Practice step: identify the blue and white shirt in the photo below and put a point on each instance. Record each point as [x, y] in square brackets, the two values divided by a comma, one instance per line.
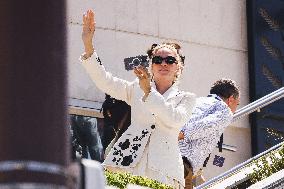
[210, 117]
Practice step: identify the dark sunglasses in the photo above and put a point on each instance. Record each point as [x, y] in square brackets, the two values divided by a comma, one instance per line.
[159, 60]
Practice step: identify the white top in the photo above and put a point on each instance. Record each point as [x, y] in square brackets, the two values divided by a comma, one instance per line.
[155, 123]
[209, 119]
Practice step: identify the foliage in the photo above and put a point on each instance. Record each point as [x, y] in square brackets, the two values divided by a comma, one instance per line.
[267, 165]
[120, 180]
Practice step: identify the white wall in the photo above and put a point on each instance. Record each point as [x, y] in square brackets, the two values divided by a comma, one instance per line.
[212, 34]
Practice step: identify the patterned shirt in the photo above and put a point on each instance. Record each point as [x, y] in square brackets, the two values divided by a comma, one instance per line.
[210, 117]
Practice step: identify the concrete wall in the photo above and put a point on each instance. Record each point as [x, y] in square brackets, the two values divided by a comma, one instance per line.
[212, 34]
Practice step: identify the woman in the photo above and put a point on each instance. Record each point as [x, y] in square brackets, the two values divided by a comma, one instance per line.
[149, 147]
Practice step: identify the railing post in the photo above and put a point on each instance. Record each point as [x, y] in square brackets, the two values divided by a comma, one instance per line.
[34, 150]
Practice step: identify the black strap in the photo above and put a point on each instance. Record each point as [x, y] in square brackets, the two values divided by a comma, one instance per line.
[206, 161]
[220, 143]
[121, 123]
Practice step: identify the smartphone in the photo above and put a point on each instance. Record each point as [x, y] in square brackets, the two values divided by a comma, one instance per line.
[131, 62]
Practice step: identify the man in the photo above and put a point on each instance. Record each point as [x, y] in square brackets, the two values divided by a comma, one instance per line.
[85, 132]
[211, 115]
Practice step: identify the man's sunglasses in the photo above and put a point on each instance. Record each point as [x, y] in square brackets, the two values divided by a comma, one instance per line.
[159, 60]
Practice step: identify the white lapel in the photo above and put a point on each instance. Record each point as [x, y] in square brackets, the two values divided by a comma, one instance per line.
[170, 93]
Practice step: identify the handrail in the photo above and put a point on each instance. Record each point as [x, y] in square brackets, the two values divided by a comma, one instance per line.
[260, 103]
[250, 108]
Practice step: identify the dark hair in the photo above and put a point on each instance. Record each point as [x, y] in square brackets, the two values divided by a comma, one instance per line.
[150, 51]
[175, 45]
[117, 108]
[225, 88]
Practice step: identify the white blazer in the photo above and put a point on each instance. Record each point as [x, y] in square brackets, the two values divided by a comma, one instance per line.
[156, 122]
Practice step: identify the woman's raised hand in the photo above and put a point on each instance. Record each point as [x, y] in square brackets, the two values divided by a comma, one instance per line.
[89, 26]
[144, 79]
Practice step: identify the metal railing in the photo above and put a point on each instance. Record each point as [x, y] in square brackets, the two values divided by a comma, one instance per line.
[250, 108]
[260, 103]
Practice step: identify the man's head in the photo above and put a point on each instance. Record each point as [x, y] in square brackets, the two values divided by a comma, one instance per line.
[228, 90]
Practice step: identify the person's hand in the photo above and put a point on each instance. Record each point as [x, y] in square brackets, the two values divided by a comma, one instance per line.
[144, 79]
[89, 26]
[180, 136]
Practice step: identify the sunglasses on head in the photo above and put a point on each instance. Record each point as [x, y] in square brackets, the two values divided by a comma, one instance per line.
[159, 60]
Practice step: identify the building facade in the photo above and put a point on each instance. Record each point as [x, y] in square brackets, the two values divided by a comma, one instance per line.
[213, 36]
